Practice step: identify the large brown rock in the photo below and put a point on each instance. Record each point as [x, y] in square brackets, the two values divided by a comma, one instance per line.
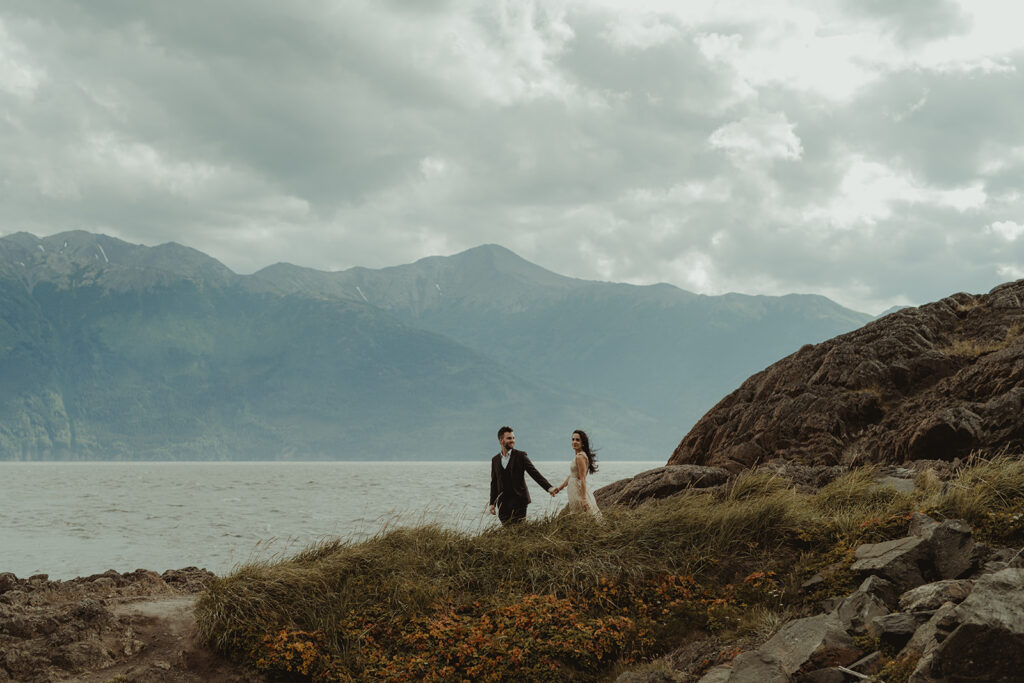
[659, 483]
[932, 382]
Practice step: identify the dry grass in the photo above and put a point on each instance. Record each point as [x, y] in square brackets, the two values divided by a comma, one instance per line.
[757, 523]
[972, 348]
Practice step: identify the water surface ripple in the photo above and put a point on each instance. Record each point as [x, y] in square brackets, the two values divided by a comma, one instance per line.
[74, 519]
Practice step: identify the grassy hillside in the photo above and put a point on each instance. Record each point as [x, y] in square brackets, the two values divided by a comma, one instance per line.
[567, 599]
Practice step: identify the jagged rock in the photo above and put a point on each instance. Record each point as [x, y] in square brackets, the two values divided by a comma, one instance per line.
[896, 630]
[921, 525]
[952, 549]
[90, 610]
[660, 482]
[898, 560]
[718, 674]
[927, 636]
[8, 581]
[749, 667]
[806, 478]
[189, 578]
[930, 596]
[990, 634]
[857, 610]
[18, 626]
[812, 643]
[935, 382]
[886, 591]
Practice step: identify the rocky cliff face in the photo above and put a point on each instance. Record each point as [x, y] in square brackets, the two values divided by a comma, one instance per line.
[937, 382]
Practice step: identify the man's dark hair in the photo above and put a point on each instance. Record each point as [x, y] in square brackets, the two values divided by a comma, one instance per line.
[504, 430]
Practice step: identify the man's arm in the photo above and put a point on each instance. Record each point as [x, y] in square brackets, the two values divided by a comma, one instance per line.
[537, 476]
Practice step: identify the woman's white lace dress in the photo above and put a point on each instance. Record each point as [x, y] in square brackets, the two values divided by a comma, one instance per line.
[575, 496]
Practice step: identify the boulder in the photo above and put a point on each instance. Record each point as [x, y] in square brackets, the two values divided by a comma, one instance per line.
[935, 382]
[928, 636]
[898, 560]
[896, 629]
[748, 667]
[718, 674]
[921, 525]
[886, 591]
[8, 581]
[989, 637]
[660, 482]
[857, 610]
[952, 549]
[812, 643]
[930, 596]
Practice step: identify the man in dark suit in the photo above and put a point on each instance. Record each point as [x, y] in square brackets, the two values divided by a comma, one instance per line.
[509, 495]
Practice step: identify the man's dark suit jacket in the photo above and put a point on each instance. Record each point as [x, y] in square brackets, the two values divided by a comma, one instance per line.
[518, 464]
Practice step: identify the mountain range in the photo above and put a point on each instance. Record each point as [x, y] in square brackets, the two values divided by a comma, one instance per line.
[121, 351]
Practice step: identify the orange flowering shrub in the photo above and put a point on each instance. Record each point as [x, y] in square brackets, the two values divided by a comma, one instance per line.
[537, 638]
[297, 652]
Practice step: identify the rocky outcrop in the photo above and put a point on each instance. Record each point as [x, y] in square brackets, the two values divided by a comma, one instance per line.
[111, 626]
[935, 382]
[988, 635]
[660, 482]
[948, 630]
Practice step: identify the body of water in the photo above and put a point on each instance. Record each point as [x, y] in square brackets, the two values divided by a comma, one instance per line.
[70, 519]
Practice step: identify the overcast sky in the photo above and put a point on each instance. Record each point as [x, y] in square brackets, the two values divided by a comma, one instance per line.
[868, 150]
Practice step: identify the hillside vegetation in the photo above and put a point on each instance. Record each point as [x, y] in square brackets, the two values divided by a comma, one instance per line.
[564, 598]
[110, 350]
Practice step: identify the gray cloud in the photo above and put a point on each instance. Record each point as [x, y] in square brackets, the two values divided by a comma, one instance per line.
[709, 151]
[915, 21]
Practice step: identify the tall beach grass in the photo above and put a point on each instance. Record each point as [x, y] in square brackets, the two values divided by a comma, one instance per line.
[406, 601]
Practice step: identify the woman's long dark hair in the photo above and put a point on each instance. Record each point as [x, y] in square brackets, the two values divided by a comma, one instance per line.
[591, 456]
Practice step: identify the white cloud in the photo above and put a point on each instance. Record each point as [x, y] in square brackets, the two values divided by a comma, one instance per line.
[640, 32]
[758, 137]
[1008, 230]
[1010, 271]
[702, 143]
[870, 189]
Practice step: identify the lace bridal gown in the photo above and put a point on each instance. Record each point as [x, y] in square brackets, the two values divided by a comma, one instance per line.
[575, 496]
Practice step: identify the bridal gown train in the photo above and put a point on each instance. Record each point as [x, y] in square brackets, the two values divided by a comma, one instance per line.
[575, 497]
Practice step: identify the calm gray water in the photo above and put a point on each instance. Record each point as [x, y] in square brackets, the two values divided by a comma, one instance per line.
[75, 519]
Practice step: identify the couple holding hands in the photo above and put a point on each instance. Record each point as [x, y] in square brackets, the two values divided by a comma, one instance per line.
[509, 496]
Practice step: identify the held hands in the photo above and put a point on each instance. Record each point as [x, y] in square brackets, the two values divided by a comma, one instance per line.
[490, 508]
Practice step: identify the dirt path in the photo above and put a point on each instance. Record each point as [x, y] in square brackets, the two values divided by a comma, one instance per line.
[108, 628]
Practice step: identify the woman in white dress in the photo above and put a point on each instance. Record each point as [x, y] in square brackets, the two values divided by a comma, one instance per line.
[581, 498]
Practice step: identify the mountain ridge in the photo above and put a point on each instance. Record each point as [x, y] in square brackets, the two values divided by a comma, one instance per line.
[169, 327]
